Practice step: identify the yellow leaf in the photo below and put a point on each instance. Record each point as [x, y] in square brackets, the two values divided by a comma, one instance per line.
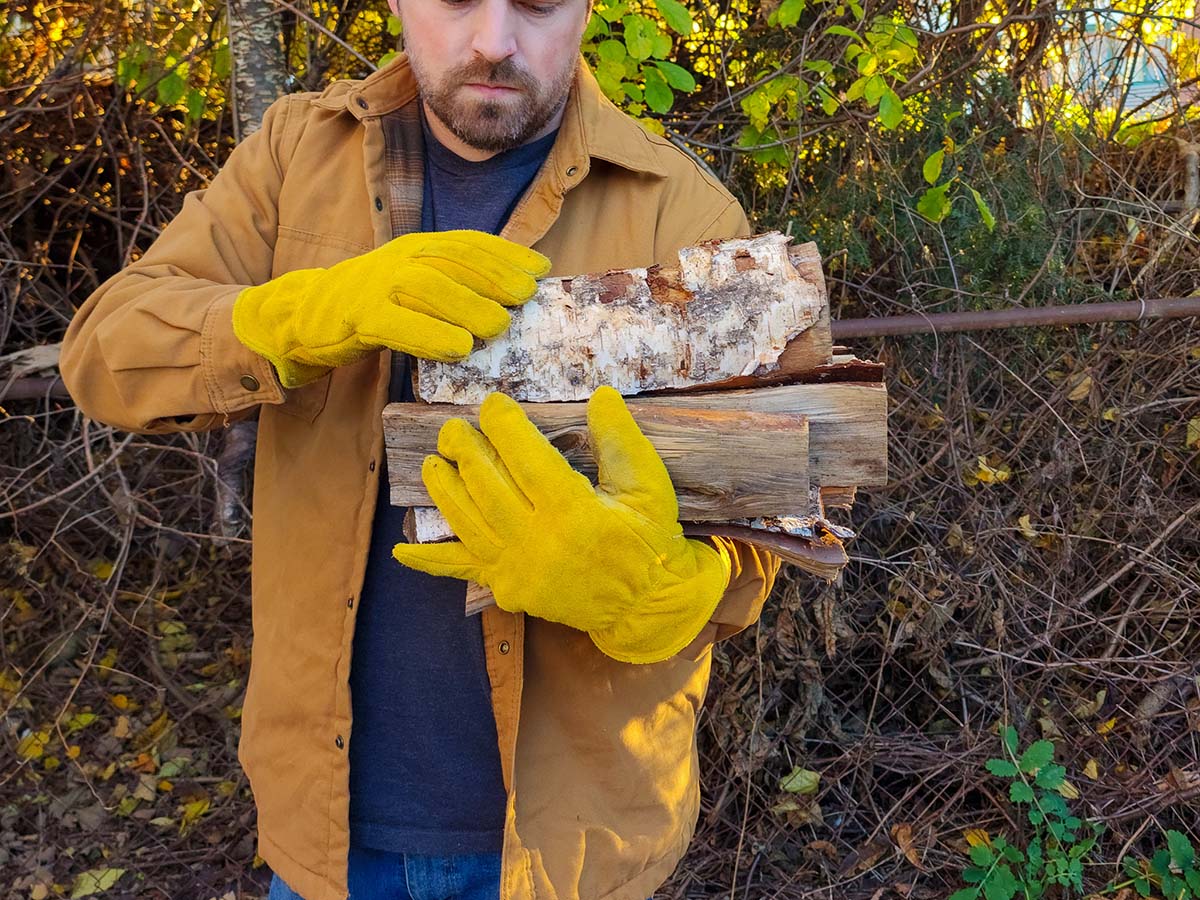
[73, 751]
[984, 473]
[902, 835]
[1068, 790]
[1091, 707]
[50, 763]
[1106, 727]
[120, 701]
[39, 891]
[33, 745]
[652, 125]
[101, 568]
[121, 729]
[165, 785]
[1080, 386]
[801, 781]
[226, 788]
[977, 837]
[1091, 769]
[94, 881]
[257, 862]
[1026, 527]
[1111, 414]
[9, 684]
[191, 812]
[1193, 434]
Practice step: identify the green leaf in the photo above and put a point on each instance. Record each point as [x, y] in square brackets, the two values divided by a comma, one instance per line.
[965, 894]
[658, 96]
[171, 89]
[982, 855]
[1009, 735]
[1049, 777]
[974, 875]
[1019, 791]
[611, 51]
[612, 12]
[1036, 755]
[1193, 880]
[1003, 885]
[1036, 816]
[595, 26]
[935, 206]
[823, 66]
[874, 89]
[387, 58]
[1160, 863]
[843, 31]
[789, 12]
[801, 781]
[891, 109]
[855, 90]
[660, 44]
[677, 76]
[394, 26]
[195, 104]
[829, 102]
[676, 15]
[985, 211]
[1001, 768]
[932, 170]
[1180, 849]
[94, 881]
[758, 107]
[639, 33]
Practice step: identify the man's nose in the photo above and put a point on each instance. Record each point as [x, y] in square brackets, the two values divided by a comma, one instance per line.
[495, 30]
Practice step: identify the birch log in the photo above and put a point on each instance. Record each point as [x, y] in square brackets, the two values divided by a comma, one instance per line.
[730, 310]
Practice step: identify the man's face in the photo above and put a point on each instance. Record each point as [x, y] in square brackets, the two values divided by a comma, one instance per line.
[495, 72]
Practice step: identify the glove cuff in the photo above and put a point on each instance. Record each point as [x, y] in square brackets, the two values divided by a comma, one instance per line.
[247, 328]
[670, 620]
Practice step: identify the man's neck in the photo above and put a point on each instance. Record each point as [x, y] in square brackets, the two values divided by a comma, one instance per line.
[455, 144]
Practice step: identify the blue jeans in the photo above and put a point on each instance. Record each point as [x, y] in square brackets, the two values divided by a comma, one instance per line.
[380, 875]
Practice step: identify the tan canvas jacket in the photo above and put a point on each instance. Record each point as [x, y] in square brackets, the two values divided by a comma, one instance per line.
[599, 757]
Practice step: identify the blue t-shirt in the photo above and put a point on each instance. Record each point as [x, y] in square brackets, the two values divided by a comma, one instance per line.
[425, 771]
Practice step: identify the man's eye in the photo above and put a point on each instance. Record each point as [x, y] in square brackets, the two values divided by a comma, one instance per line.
[540, 9]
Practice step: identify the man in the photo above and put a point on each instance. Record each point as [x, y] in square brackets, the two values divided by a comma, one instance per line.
[547, 747]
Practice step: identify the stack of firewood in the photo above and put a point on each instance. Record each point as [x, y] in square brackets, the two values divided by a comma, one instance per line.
[764, 425]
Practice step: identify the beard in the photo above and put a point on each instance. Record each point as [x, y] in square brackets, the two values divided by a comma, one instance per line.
[492, 125]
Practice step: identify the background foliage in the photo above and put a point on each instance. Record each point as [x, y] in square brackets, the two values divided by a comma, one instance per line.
[1027, 580]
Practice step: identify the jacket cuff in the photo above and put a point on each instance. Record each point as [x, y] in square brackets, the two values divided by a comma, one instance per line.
[236, 377]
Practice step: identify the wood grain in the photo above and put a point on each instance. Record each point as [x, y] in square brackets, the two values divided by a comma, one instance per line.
[724, 464]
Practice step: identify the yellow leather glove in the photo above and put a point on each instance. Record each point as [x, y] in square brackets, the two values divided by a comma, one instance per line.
[426, 294]
[610, 560]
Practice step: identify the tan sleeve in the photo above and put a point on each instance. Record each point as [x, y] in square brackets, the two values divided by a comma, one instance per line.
[152, 350]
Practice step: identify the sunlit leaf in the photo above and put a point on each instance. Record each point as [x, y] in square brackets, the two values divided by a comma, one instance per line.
[676, 16]
[94, 881]
[932, 170]
[934, 205]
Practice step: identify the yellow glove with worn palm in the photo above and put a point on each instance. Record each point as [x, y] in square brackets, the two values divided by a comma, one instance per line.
[610, 560]
[427, 294]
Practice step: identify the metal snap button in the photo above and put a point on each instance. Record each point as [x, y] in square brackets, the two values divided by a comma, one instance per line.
[249, 382]
[379, 204]
[504, 646]
[339, 742]
[572, 170]
[362, 102]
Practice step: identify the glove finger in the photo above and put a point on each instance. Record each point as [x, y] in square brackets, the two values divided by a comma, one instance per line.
[445, 486]
[630, 469]
[446, 299]
[490, 276]
[448, 559]
[537, 467]
[467, 244]
[389, 325]
[487, 479]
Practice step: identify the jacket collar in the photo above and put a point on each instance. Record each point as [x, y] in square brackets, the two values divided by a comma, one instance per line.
[592, 127]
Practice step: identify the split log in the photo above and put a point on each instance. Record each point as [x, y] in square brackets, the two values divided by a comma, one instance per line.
[734, 312]
[846, 444]
[724, 464]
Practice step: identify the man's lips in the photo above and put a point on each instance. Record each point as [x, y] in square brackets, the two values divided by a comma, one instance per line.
[492, 89]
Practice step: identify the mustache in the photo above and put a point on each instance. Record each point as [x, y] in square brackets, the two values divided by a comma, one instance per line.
[504, 73]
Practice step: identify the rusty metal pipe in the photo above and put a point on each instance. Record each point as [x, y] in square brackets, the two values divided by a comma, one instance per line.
[1022, 317]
